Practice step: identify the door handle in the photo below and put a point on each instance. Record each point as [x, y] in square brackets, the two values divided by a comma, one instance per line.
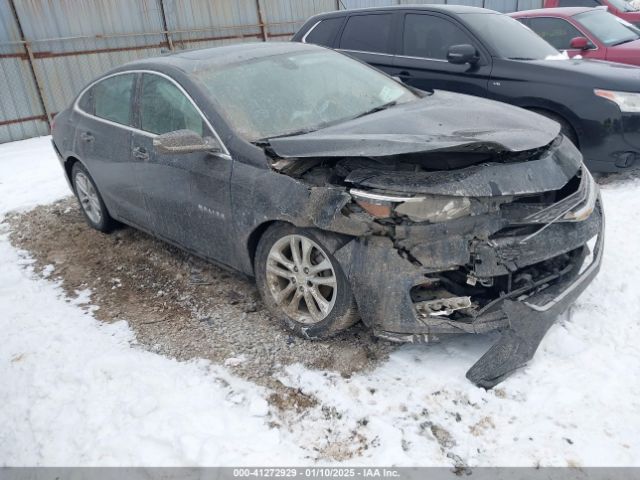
[404, 74]
[141, 153]
[86, 136]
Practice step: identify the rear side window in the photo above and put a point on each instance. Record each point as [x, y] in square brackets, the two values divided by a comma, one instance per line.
[367, 33]
[556, 31]
[428, 36]
[164, 108]
[324, 32]
[112, 98]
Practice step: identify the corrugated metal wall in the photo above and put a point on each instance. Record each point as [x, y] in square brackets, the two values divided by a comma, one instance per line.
[50, 49]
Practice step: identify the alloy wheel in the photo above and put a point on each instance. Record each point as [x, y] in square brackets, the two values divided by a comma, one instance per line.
[88, 197]
[301, 279]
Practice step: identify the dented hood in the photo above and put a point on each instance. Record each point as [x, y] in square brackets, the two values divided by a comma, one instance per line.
[442, 121]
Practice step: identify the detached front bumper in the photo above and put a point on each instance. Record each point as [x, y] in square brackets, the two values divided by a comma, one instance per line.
[382, 278]
[529, 320]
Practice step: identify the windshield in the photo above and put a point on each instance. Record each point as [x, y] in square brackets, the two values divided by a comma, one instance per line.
[606, 27]
[509, 38]
[298, 92]
[623, 5]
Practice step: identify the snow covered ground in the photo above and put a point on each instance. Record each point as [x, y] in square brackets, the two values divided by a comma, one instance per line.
[74, 391]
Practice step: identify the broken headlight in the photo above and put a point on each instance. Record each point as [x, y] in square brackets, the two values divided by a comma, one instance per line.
[423, 208]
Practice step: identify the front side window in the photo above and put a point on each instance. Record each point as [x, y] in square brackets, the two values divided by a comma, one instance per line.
[324, 33]
[556, 31]
[164, 108]
[608, 28]
[111, 98]
[297, 92]
[507, 37]
[367, 33]
[428, 36]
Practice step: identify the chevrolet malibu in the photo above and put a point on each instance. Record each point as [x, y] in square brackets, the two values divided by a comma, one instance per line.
[346, 194]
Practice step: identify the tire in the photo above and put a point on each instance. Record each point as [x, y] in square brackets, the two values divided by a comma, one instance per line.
[91, 204]
[278, 272]
[565, 127]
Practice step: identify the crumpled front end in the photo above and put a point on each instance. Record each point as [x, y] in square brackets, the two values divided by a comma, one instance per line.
[461, 241]
[465, 264]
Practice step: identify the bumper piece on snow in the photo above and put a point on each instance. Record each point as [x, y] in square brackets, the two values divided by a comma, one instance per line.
[529, 321]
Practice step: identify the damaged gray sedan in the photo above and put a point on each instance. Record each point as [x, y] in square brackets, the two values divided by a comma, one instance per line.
[345, 193]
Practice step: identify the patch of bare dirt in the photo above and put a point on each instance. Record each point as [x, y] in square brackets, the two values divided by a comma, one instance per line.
[179, 305]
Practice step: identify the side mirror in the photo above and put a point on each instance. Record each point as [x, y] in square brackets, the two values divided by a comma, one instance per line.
[580, 43]
[184, 141]
[461, 54]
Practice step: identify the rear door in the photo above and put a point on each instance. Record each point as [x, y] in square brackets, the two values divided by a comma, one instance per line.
[422, 59]
[370, 37]
[103, 142]
[187, 195]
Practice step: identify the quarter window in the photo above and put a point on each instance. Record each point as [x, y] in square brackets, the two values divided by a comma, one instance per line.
[367, 33]
[164, 108]
[556, 31]
[111, 98]
[428, 36]
[324, 33]
[86, 102]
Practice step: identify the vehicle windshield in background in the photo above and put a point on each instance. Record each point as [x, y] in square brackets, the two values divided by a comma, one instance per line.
[607, 28]
[623, 5]
[298, 92]
[509, 38]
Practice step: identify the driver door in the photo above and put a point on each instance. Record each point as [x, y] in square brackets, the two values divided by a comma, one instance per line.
[422, 62]
[559, 33]
[187, 195]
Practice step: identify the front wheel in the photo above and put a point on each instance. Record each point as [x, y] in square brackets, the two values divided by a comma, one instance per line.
[302, 283]
[565, 127]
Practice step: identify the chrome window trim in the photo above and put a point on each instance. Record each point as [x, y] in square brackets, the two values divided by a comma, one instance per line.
[364, 51]
[76, 107]
[423, 58]
[304, 38]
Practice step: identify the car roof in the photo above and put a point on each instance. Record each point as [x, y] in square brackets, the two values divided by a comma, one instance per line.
[552, 12]
[431, 8]
[202, 58]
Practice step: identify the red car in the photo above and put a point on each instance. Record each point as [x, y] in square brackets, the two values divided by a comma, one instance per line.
[619, 8]
[591, 32]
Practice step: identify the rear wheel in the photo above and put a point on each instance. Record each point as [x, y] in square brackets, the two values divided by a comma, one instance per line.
[302, 284]
[93, 208]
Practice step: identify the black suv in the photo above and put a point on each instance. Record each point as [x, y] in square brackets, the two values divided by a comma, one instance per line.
[488, 54]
